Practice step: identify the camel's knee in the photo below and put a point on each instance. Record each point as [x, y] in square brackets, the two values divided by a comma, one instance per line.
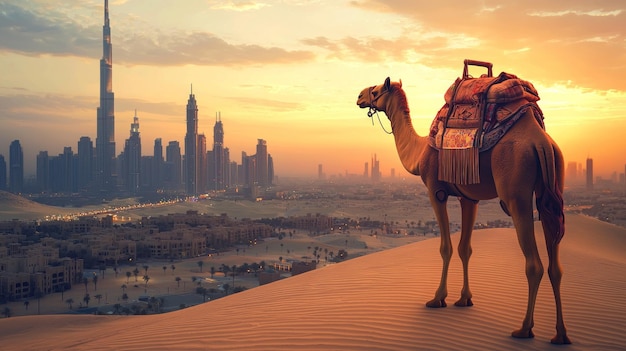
[465, 252]
[446, 252]
[555, 273]
[534, 269]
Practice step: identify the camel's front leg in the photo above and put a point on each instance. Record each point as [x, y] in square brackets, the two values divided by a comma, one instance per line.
[468, 217]
[441, 213]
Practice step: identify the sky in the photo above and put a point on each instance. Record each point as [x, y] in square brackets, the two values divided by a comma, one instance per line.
[289, 72]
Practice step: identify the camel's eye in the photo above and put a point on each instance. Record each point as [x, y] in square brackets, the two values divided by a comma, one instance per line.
[374, 93]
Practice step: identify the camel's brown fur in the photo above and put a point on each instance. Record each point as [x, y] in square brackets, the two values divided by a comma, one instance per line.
[525, 161]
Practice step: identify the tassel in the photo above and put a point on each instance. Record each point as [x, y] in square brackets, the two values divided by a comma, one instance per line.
[459, 166]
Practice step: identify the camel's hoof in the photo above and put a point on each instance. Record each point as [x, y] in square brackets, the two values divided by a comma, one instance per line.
[464, 303]
[436, 303]
[560, 339]
[523, 334]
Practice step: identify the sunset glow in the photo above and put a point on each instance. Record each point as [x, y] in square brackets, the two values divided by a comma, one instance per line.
[290, 71]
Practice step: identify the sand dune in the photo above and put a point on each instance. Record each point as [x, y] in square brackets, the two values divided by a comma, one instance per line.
[376, 302]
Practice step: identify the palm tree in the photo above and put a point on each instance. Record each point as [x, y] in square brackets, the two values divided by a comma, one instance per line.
[145, 267]
[26, 303]
[164, 269]
[98, 297]
[173, 268]
[69, 302]
[85, 281]
[212, 272]
[124, 288]
[125, 297]
[146, 278]
[226, 287]
[128, 274]
[136, 273]
[95, 282]
[234, 273]
[178, 281]
[200, 264]
[87, 299]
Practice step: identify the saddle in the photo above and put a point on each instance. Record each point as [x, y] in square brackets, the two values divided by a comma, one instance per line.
[476, 114]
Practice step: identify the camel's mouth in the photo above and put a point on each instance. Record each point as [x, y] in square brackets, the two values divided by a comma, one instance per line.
[363, 104]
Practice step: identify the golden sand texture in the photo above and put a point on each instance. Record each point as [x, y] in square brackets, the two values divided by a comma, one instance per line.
[376, 302]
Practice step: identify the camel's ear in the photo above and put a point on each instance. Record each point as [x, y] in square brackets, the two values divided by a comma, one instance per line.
[400, 83]
[387, 83]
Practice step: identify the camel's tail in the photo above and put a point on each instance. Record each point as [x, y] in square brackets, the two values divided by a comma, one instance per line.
[550, 196]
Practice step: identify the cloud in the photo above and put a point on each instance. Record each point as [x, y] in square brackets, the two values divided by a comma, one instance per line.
[561, 40]
[236, 5]
[36, 33]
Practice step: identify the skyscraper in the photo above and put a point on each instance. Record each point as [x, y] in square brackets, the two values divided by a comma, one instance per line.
[16, 167]
[201, 164]
[589, 174]
[157, 167]
[3, 173]
[261, 163]
[85, 162]
[43, 171]
[217, 167]
[132, 158]
[105, 140]
[173, 165]
[191, 146]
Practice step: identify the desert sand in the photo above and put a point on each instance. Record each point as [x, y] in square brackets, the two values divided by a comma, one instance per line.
[376, 302]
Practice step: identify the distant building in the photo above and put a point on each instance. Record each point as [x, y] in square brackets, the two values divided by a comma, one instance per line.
[191, 146]
[376, 175]
[3, 173]
[173, 166]
[262, 163]
[158, 164]
[131, 164]
[589, 174]
[571, 173]
[16, 167]
[43, 171]
[85, 163]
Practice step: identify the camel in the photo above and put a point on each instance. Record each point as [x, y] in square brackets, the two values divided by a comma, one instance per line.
[525, 162]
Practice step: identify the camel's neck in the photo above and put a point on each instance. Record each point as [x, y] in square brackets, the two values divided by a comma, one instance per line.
[410, 146]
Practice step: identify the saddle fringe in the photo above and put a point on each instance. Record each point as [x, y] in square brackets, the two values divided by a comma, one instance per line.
[459, 166]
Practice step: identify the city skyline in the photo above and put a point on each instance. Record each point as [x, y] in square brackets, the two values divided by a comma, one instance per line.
[296, 85]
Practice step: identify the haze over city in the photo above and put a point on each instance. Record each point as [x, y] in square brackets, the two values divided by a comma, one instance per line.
[288, 72]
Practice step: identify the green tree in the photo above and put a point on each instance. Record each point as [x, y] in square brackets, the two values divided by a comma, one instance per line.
[145, 268]
[200, 264]
[172, 267]
[87, 298]
[136, 273]
[69, 302]
[146, 278]
[98, 297]
[128, 274]
[26, 303]
[178, 281]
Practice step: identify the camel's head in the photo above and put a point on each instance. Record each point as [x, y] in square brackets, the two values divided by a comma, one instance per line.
[375, 97]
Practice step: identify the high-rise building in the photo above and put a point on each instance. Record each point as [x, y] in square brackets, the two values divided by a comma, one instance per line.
[376, 175]
[16, 167]
[589, 177]
[261, 163]
[132, 158]
[202, 164]
[157, 164]
[3, 173]
[217, 163]
[173, 166]
[270, 169]
[105, 140]
[85, 162]
[43, 171]
[191, 146]
[320, 172]
[572, 168]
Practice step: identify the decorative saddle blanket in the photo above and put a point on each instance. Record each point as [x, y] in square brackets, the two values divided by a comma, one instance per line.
[477, 113]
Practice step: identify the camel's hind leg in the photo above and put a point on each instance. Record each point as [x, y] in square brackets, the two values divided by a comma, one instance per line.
[555, 273]
[521, 212]
[468, 215]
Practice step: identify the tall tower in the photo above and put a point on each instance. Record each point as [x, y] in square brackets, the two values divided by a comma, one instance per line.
[3, 173]
[85, 162]
[261, 163]
[105, 139]
[589, 174]
[157, 167]
[16, 167]
[218, 168]
[132, 158]
[173, 165]
[191, 146]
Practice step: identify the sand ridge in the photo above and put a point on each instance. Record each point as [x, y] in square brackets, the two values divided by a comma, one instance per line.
[376, 302]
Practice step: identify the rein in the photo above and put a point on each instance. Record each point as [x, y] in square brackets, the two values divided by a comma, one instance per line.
[373, 111]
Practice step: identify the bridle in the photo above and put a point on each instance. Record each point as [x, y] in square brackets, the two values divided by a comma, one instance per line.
[373, 111]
